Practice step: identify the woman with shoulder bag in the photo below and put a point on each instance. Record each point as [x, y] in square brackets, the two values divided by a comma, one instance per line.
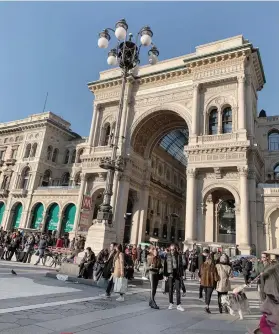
[154, 265]
[117, 273]
[224, 271]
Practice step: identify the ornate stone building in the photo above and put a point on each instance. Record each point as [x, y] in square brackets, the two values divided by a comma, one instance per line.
[200, 165]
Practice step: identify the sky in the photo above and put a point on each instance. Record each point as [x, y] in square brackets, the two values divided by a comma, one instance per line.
[52, 47]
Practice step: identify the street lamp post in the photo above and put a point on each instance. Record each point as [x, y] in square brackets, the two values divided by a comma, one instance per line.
[126, 56]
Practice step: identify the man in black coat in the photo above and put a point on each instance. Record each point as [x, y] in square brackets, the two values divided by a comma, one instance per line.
[201, 259]
[173, 272]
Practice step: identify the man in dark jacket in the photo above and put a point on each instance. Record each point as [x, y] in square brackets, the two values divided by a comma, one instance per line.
[41, 249]
[246, 269]
[15, 243]
[87, 263]
[173, 272]
[108, 268]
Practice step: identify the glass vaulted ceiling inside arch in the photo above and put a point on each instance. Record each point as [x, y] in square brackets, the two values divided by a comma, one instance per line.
[174, 143]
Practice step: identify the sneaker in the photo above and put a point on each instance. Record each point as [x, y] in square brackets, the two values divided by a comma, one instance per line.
[184, 294]
[180, 308]
[144, 278]
[170, 306]
[120, 299]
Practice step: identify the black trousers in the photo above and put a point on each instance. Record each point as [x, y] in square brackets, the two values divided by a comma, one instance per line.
[246, 278]
[175, 281]
[153, 278]
[208, 293]
[201, 291]
[183, 286]
[27, 257]
[220, 294]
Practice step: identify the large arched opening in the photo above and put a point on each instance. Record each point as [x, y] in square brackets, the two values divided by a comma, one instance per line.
[274, 229]
[220, 216]
[52, 218]
[160, 136]
[68, 218]
[2, 210]
[37, 216]
[16, 215]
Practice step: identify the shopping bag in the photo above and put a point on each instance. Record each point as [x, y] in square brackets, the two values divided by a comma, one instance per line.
[102, 283]
[120, 285]
[165, 286]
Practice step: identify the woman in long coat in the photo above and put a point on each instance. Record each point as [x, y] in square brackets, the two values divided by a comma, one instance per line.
[209, 276]
[224, 271]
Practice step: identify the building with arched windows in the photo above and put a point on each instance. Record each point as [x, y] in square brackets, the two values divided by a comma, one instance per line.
[201, 163]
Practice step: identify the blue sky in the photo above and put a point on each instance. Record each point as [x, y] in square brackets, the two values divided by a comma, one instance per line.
[52, 47]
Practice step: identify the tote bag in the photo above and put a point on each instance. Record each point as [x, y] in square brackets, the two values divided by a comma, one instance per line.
[120, 285]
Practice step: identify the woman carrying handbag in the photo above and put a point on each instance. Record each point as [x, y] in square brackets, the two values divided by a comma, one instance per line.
[118, 280]
[154, 266]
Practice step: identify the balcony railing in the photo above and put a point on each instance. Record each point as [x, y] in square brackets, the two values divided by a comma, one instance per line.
[213, 138]
[58, 187]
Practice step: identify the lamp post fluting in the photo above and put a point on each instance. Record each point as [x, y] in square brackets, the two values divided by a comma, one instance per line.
[126, 56]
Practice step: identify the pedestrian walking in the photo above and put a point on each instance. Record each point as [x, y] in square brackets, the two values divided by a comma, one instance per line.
[201, 259]
[41, 249]
[144, 261]
[224, 271]
[154, 265]
[173, 272]
[209, 276]
[28, 249]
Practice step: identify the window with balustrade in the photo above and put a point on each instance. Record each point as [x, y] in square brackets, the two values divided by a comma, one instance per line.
[273, 140]
[227, 120]
[213, 122]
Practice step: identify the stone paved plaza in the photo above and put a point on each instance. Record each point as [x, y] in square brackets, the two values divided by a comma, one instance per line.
[34, 304]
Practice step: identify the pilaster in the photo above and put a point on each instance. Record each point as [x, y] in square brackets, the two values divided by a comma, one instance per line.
[191, 206]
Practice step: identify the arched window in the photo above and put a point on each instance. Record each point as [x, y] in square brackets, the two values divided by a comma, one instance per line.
[49, 152]
[73, 158]
[107, 135]
[67, 155]
[34, 149]
[27, 151]
[78, 179]
[276, 172]
[46, 178]
[66, 179]
[80, 152]
[25, 178]
[213, 122]
[273, 141]
[227, 120]
[54, 155]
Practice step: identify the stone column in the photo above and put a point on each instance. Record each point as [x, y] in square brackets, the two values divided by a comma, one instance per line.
[79, 202]
[209, 220]
[195, 111]
[201, 222]
[136, 218]
[60, 221]
[244, 229]
[220, 122]
[143, 213]
[94, 127]
[121, 207]
[241, 104]
[115, 190]
[191, 206]
[249, 99]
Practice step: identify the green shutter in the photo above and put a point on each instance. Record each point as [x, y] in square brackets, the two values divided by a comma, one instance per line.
[69, 218]
[37, 216]
[53, 217]
[17, 216]
[2, 210]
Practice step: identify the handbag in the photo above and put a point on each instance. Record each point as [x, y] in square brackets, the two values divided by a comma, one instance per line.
[165, 286]
[120, 285]
[37, 252]
[160, 275]
[102, 282]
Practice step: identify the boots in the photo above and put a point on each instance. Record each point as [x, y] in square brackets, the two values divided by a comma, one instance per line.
[153, 305]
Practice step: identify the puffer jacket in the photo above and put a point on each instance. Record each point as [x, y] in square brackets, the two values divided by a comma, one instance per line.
[224, 272]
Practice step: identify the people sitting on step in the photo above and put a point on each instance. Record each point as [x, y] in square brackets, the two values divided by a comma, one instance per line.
[87, 263]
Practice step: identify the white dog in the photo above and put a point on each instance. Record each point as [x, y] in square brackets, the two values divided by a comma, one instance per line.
[236, 301]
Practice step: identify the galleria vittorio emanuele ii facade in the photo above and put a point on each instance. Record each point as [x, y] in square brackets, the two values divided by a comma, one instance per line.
[201, 161]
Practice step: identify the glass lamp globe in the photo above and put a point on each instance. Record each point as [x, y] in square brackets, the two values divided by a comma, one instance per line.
[103, 43]
[145, 40]
[120, 33]
[153, 59]
[112, 61]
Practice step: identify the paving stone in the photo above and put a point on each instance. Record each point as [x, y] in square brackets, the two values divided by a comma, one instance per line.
[32, 329]
[6, 325]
